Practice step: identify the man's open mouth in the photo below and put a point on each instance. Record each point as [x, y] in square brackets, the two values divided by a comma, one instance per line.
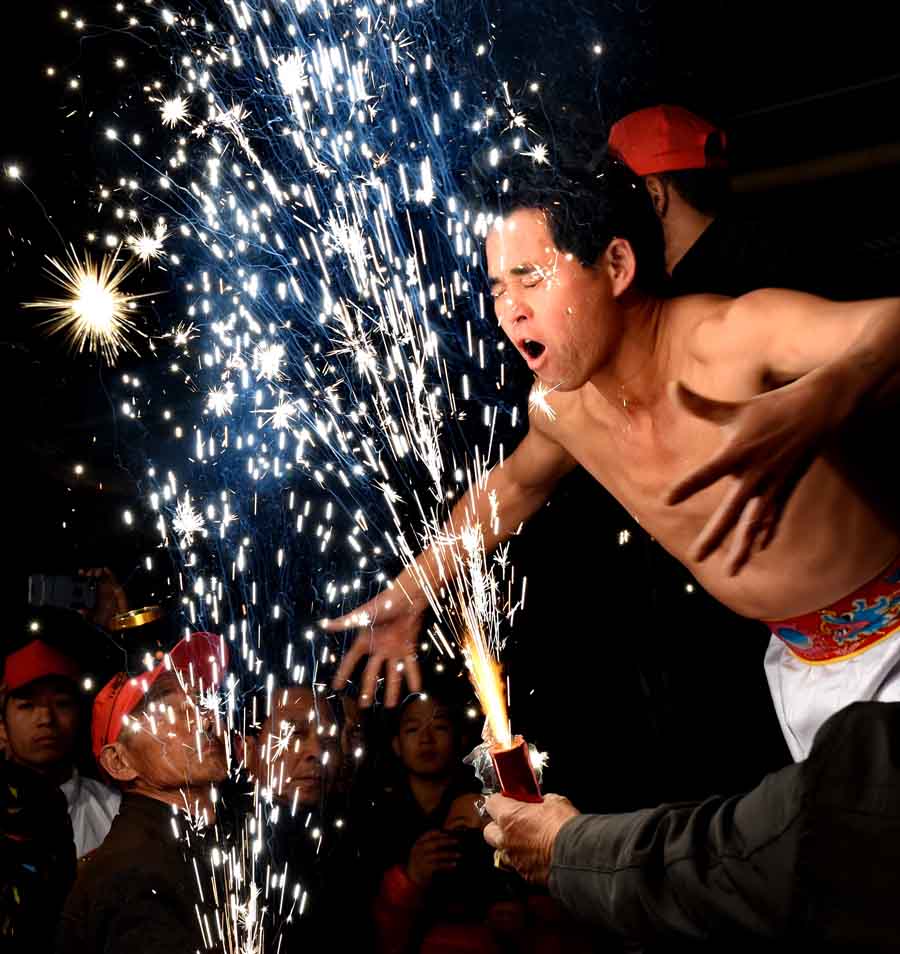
[534, 349]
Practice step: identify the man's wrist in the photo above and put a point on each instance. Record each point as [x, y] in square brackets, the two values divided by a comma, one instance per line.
[843, 385]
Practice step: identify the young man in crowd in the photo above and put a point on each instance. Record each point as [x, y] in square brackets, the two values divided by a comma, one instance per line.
[41, 722]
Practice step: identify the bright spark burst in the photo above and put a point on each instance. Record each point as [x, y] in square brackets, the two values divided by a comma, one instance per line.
[537, 400]
[292, 73]
[95, 315]
[147, 247]
[282, 415]
[174, 111]
[539, 154]
[219, 400]
[187, 521]
[267, 360]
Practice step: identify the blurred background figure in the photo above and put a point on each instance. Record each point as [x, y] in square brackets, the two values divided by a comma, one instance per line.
[709, 249]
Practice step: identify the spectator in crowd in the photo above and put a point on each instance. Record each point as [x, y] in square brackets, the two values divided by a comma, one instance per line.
[159, 744]
[295, 762]
[427, 774]
[43, 717]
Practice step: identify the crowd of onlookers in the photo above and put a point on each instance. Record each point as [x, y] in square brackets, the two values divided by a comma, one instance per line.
[133, 818]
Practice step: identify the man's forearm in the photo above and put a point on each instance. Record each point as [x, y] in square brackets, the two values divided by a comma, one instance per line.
[498, 509]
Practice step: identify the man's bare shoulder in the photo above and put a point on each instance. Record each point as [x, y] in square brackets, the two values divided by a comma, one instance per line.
[713, 329]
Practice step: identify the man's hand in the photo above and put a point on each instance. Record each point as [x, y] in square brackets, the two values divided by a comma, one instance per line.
[525, 832]
[770, 442]
[111, 599]
[433, 852]
[389, 627]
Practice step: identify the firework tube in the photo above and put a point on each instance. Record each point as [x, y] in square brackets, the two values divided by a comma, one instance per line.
[515, 773]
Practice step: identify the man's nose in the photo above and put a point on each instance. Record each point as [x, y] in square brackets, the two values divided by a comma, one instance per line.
[45, 715]
[312, 748]
[511, 311]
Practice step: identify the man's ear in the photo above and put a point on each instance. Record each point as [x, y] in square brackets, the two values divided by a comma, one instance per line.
[659, 195]
[115, 760]
[621, 265]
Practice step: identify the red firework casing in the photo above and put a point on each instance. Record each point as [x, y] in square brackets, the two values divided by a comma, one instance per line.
[515, 773]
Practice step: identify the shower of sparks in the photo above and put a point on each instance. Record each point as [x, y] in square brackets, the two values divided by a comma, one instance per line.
[95, 315]
[312, 385]
[537, 400]
[187, 522]
[484, 671]
[174, 111]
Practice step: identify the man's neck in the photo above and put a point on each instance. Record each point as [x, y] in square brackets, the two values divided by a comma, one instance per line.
[197, 801]
[428, 791]
[635, 377]
[681, 229]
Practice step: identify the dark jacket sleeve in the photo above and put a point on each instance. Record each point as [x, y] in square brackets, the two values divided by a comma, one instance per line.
[814, 849]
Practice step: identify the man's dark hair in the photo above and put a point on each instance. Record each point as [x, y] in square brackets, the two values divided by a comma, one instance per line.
[705, 190]
[587, 206]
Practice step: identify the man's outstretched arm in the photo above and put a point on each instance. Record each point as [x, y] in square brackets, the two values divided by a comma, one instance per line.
[390, 622]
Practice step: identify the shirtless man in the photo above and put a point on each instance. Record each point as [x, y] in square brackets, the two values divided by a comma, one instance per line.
[738, 432]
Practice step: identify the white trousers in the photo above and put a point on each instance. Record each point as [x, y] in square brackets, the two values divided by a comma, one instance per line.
[805, 696]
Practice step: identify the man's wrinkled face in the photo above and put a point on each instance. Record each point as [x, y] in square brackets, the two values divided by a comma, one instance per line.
[172, 738]
[298, 752]
[549, 305]
[41, 722]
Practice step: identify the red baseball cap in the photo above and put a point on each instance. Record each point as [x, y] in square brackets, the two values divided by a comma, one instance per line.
[35, 660]
[200, 658]
[666, 139]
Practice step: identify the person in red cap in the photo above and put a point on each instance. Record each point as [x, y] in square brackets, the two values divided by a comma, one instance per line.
[158, 736]
[41, 718]
[682, 159]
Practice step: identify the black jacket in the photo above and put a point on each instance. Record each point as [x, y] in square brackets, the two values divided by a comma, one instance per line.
[137, 892]
[734, 256]
[812, 854]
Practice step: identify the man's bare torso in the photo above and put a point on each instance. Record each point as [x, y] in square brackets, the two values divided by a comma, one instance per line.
[831, 538]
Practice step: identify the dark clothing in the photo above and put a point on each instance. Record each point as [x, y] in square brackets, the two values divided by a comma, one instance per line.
[328, 871]
[734, 256]
[37, 859]
[812, 854]
[393, 822]
[137, 892]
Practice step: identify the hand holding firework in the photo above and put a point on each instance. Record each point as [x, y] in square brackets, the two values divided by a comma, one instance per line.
[524, 834]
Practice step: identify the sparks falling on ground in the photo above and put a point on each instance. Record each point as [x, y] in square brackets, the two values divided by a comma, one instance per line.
[95, 315]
